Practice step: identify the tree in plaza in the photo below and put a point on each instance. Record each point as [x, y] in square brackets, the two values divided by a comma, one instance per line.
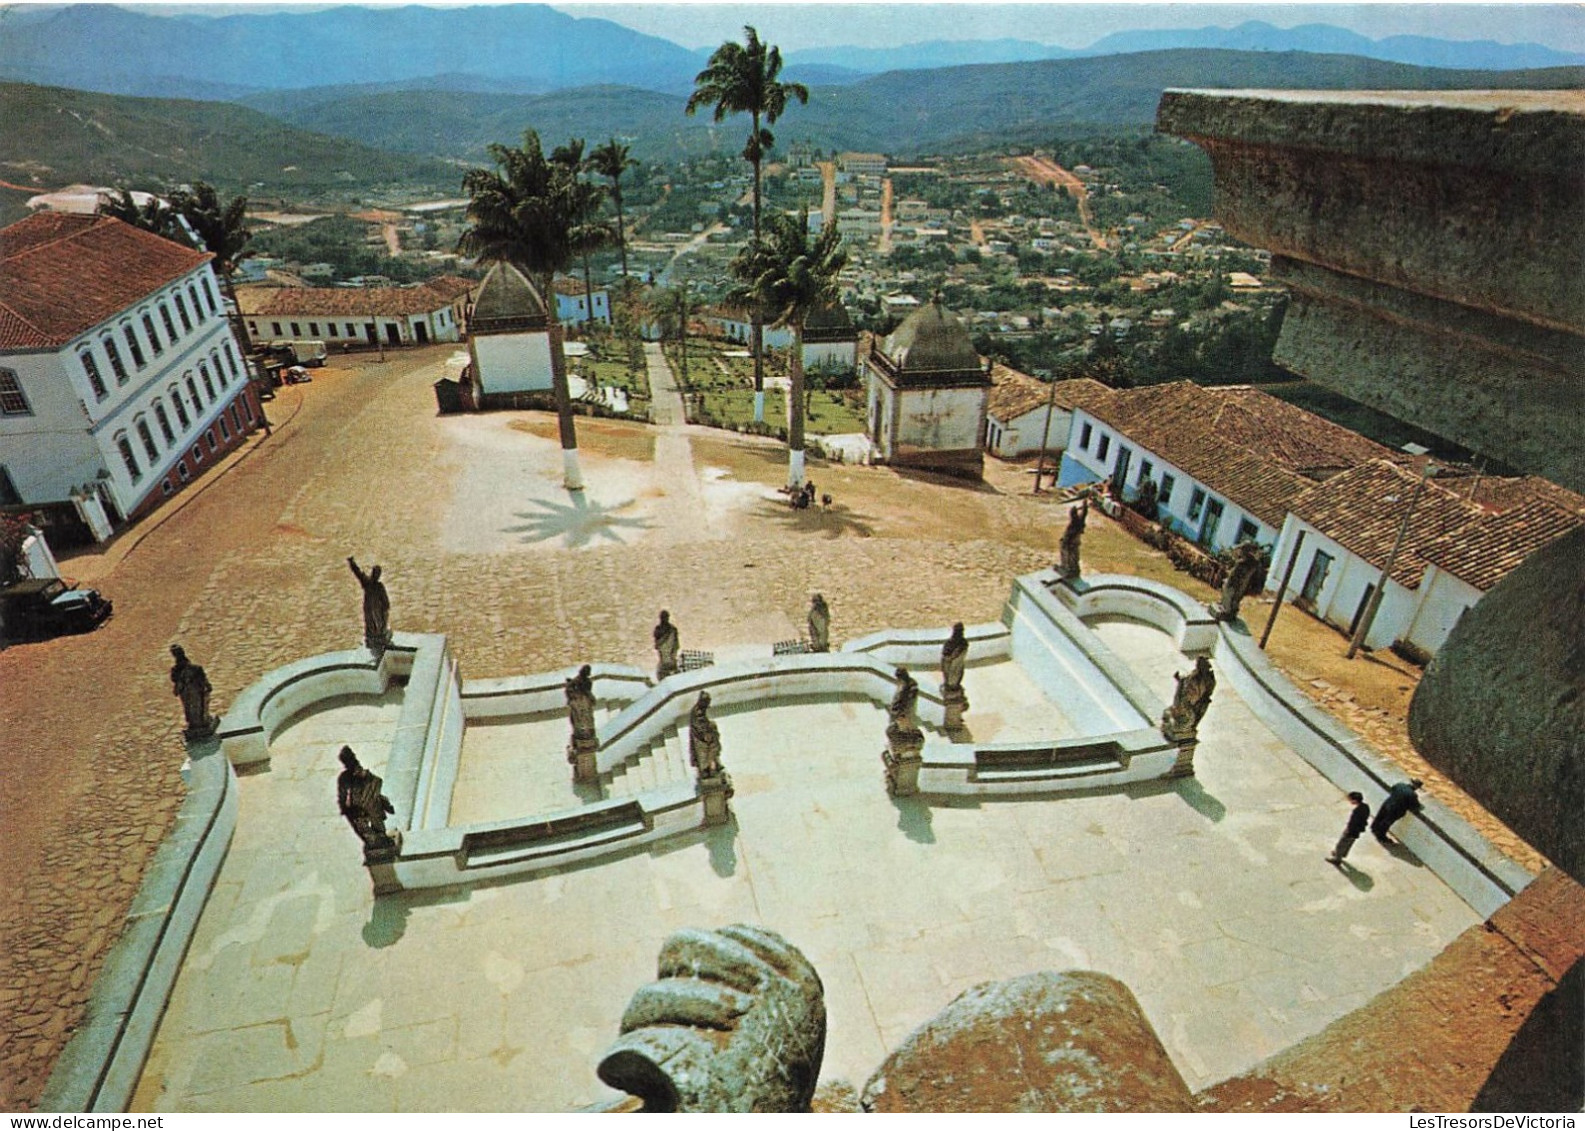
[588, 233]
[789, 275]
[222, 230]
[523, 212]
[741, 78]
[611, 161]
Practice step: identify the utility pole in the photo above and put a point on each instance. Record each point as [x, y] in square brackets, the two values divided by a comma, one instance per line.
[1045, 437]
[1386, 571]
[1287, 576]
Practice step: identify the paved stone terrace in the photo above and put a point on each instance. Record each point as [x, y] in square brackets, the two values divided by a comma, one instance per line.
[1208, 897]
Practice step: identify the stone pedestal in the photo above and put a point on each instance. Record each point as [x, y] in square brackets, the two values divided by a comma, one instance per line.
[380, 858]
[1184, 766]
[902, 759]
[201, 734]
[956, 702]
[581, 753]
[716, 789]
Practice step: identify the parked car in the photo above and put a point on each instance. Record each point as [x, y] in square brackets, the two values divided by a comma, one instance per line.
[41, 608]
[300, 351]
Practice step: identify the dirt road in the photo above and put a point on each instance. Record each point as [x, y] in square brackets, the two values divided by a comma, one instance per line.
[1044, 171]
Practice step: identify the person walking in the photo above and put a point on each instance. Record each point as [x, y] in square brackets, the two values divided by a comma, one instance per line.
[1401, 799]
[1355, 829]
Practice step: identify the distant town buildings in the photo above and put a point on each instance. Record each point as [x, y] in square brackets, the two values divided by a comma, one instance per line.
[573, 306]
[120, 381]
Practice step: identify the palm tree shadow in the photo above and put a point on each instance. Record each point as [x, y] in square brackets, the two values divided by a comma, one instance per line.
[833, 523]
[578, 522]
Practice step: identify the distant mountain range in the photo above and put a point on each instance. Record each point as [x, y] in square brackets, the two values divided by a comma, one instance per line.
[535, 49]
[899, 112]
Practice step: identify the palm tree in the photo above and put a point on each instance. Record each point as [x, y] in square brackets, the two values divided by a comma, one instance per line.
[788, 275]
[523, 212]
[589, 234]
[220, 227]
[611, 161]
[741, 78]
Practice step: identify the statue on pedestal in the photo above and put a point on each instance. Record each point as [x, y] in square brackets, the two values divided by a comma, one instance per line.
[1181, 721]
[954, 658]
[819, 625]
[364, 806]
[580, 711]
[704, 739]
[904, 708]
[1247, 562]
[191, 686]
[667, 646]
[376, 608]
[1068, 567]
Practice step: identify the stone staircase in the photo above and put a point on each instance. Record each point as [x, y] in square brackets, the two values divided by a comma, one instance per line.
[664, 763]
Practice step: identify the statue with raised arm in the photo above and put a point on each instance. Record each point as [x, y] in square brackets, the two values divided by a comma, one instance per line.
[668, 645]
[819, 625]
[376, 607]
[1247, 562]
[704, 738]
[191, 686]
[1068, 567]
[359, 797]
[1181, 721]
[580, 712]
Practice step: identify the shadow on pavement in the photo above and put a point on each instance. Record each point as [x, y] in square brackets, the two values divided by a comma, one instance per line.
[578, 521]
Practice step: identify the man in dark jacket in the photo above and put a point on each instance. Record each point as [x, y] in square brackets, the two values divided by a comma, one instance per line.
[1401, 799]
[1356, 828]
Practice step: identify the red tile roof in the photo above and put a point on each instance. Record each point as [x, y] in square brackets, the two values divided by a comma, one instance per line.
[1258, 451]
[1485, 551]
[63, 273]
[1503, 493]
[1014, 393]
[1363, 509]
[352, 302]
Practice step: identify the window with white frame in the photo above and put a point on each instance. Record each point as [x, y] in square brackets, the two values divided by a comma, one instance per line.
[231, 361]
[209, 294]
[124, 446]
[1104, 446]
[198, 309]
[170, 327]
[181, 407]
[209, 384]
[220, 374]
[117, 366]
[1196, 503]
[13, 401]
[165, 422]
[95, 380]
[142, 426]
[192, 389]
[225, 433]
[134, 347]
[154, 339]
[181, 311]
[1168, 482]
[1085, 432]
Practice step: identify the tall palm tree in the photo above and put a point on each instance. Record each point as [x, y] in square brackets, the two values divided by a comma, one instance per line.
[789, 275]
[523, 212]
[611, 161]
[589, 232]
[221, 228]
[741, 78]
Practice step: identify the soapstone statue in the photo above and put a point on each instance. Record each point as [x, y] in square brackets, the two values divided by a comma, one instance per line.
[191, 686]
[819, 625]
[704, 738]
[954, 657]
[1247, 560]
[1181, 721]
[580, 709]
[1068, 567]
[667, 646]
[735, 1023]
[904, 709]
[376, 607]
[363, 805]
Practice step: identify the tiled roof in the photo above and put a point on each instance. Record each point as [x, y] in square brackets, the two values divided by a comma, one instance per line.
[346, 302]
[1363, 509]
[573, 288]
[1485, 551]
[1258, 451]
[63, 273]
[1014, 393]
[1502, 493]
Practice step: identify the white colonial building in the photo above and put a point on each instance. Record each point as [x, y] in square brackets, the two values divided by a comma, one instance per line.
[574, 307]
[1226, 461]
[927, 395]
[1024, 413]
[120, 380]
[365, 316]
